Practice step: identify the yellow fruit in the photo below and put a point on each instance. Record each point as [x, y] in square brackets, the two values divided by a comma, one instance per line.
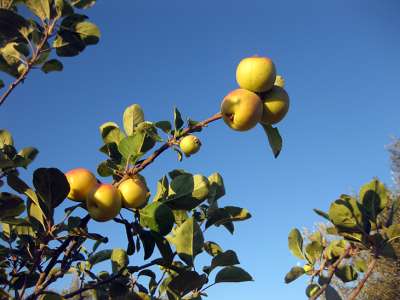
[256, 74]
[280, 81]
[133, 193]
[103, 202]
[81, 181]
[241, 109]
[190, 144]
[276, 105]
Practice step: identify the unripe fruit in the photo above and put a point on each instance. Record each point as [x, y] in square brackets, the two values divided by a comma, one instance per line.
[256, 74]
[133, 193]
[104, 202]
[81, 182]
[280, 81]
[276, 105]
[190, 144]
[241, 109]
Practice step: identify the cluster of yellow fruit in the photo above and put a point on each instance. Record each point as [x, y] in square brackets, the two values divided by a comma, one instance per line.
[261, 97]
[104, 201]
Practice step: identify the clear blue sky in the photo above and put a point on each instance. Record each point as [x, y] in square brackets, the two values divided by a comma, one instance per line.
[341, 64]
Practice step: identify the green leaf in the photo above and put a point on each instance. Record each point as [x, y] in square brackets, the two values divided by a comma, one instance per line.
[62, 8]
[374, 198]
[148, 243]
[232, 274]
[88, 32]
[52, 186]
[130, 147]
[162, 189]
[274, 138]
[157, 217]
[52, 65]
[164, 126]
[346, 213]
[346, 273]
[293, 274]
[188, 240]
[224, 259]
[12, 25]
[133, 115]
[25, 156]
[111, 133]
[393, 232]
[83, 4]
[227, 215]
[10, 205]
[187, 191]
[5, 138]
[178, 122]
[41, 8]
[212, 248]
[186, 282]
[295, 243]
[163, 246]
[313, 251]
[360, 265]
[217, 188]
[321, 213]
[100, 256]
[104, 169]
[119, 259]
[312, 289]
[336, 248]
[21, 187]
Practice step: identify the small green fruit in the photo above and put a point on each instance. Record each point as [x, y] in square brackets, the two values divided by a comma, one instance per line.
[190, 144]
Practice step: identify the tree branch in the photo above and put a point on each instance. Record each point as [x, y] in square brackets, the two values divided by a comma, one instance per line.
[359, 287]
[143, 164]
[331, 272]
[30, 64]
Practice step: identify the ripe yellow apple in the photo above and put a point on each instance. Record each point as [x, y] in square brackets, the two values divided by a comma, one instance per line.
[190, 144]
[256, 74]
[134, 193]
[103, 202]
[81, 181]
[241, 109]
[276, 105]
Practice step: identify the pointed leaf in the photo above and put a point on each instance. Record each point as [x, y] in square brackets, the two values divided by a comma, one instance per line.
[52, 65]
[157, 217]
[224, 259]
[274, 138]
[232, 274]
[295, 243]
[178, 122]
[293, 274]
[212, 248]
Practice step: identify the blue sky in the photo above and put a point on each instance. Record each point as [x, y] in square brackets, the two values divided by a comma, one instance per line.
[340, 60]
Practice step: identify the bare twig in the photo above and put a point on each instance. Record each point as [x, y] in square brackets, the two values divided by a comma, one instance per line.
[359, 287]
[331, 272]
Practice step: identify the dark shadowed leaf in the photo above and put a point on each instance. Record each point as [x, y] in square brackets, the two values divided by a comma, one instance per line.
[52, 185]
[293, 274]
[232, 274]
[164, 247]
[346, 273]
[164, 126]
[157, 217]
[227, 258]
[322, 214]
[274, 139]
[212, 248]
[186, 282]
[374, 198]
[52, 65]
[25, 156]
[10, 205]
[99, 256]
[332, 294]
[148, 243]
[178, 122]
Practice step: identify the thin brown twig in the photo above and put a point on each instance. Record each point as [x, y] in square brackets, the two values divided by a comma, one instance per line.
[331, 272]
[143, 164]
[359, 287]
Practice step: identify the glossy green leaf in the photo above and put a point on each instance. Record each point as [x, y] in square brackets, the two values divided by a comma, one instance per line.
[295, 243]
[5, 138]
[164, 126]
[346, 273]
[374, 198]
[212, 248]
[162, 189]
[293, 274]
[187, 191]
[346, 213]
[274, 139]
[119, 259]
[130, 147]
[232, 274]
[133, 115]
[313, 251]
[41, 8]
[217, 188]
[336, 248]
[52, 65]
[178, 122]
[188, 240]
[157, 217]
